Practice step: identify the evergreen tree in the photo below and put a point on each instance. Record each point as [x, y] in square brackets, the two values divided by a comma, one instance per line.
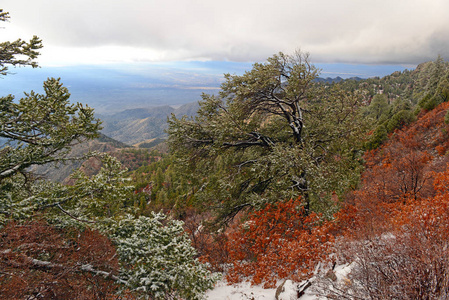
[37, 129]
[18, 52]
[156, 260]
[378, 108]
[270, 134]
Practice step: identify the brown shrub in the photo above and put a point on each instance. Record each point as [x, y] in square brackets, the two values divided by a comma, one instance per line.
[39, 261]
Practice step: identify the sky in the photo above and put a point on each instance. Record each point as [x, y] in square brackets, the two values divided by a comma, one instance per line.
[191, 40]
[333, 31]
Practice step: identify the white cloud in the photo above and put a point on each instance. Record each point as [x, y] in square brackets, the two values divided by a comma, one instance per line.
[352, 31]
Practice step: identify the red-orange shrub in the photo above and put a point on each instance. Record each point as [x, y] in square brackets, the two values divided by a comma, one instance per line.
[279, 241]
[430, 215]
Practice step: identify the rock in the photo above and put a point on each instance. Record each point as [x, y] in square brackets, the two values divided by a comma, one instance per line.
[331, 275]
[288, 290]
[279, 290]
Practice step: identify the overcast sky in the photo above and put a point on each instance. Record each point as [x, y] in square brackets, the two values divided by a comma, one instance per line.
[150, 52]
[349, 31]
[344, 31]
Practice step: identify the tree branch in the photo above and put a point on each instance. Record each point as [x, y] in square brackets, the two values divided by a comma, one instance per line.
[41, 264]
[72, 216]
[260, 140]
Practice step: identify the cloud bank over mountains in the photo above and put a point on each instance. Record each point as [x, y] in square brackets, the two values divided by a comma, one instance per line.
[343, 31]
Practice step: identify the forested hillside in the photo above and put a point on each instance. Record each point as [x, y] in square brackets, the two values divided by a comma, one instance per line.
[285, 207]
[279, 176]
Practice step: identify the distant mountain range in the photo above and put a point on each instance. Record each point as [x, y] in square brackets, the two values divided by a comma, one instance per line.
[336, 79]
[140, 128]
[116, 87]
[133, 126]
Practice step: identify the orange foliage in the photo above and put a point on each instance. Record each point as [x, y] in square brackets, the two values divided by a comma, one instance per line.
[401, 170]
[398, 221]
[38, 261]
[410, 260]
[430, 215]
[277, 242]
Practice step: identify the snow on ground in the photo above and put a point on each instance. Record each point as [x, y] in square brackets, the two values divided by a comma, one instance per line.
[246, 291]
[342, 271]
[241, 291]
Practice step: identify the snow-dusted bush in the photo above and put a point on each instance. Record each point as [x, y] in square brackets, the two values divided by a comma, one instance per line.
[158, 260]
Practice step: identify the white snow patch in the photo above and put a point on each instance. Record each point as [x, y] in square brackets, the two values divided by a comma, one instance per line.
[342, 271]
[246, 291]
[241, 291]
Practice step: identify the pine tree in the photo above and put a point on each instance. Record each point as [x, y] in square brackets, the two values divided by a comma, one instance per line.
[156, 260]
[270, 134]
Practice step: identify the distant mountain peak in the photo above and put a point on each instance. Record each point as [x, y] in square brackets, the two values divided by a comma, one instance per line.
[337, 79]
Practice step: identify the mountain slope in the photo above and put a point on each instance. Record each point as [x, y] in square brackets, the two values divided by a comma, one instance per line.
[60, 171]
[137, 125]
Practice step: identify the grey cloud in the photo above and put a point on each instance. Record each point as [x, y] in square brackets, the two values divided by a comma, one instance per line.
[439, 43]
[353, 31]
